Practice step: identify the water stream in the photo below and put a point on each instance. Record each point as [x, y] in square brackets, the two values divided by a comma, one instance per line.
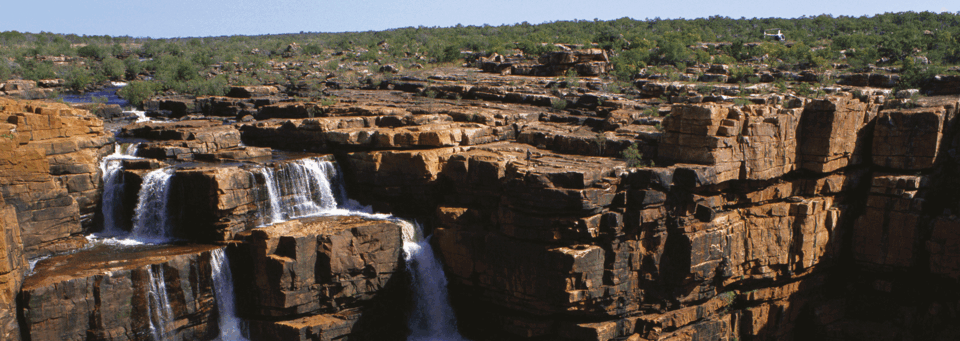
[151, 218]
[301, 188]
[111, 168]
[158, 306]
[230, 326]
[432, 318]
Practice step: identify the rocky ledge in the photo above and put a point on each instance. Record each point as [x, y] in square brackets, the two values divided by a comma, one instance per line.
[559, 211]
[118, 293]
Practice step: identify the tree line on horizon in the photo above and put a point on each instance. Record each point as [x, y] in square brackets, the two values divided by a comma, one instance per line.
[209, 65]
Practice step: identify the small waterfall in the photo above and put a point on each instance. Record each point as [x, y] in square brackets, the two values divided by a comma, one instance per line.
[158, 305]
[432, 318]
[223, 289]
[151, 221]
[132, 149]
[272, 188]
[141, 115]
[300, 188]
[111, 169]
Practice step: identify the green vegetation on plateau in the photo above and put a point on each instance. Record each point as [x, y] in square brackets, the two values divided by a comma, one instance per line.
[921, 44]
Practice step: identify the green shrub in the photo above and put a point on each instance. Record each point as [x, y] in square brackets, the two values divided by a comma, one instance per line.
[804, 89]
[113, 68]
[652, 112]
[138, 91]
[312, 49]
[781, 85]
[628, 63]
[632, 156]
[914, 75]
[328, 101]
[558, 103]
[92, 51]
[740, 72]
[571, 79]
[4, 71]
[133, 67]
[535, 48]
[447, 54]
[78, 78]
[724, 59]
[216, 86]
[34, 70]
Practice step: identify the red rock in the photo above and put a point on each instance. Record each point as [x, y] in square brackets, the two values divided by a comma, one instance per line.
[908, 139]
[101, 293]
[833, 132]
[317, 265]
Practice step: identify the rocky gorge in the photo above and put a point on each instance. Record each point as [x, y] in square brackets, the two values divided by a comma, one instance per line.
[664, 212]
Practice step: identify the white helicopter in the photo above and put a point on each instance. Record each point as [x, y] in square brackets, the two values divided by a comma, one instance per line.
[776, 36]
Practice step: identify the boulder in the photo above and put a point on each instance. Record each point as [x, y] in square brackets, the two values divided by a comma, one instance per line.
[19, 85]
[252, 91]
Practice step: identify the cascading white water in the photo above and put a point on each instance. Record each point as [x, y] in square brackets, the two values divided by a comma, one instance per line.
[306, 187]
[158, 306]
[223, 289]
[151, 221]
[300, 188]
[141, 115]
[132, 149]
[111, 169]
[292, 188]
[276, 215]
[432, 318]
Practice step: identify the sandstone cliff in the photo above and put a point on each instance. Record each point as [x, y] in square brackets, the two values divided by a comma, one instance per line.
[50, 173]
[759, 212]
[776, 218]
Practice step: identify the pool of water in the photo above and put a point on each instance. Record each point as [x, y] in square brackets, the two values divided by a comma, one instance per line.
[109, 92]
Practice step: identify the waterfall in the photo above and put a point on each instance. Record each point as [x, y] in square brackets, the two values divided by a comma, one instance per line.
[151, 221]
[141, 115]
[158, 306]
[300, 188]
[432, 318]
[111, 170]
[223, 289]
[312, 186]
[132, 149]
[272, 192]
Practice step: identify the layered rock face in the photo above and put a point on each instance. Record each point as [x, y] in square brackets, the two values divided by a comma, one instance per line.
[316, 278]
[585, 62]
[13, 266]
[132, 293]
[216, 202]
[760, 212]
[50, 171]
[186, 140]
[786, 219]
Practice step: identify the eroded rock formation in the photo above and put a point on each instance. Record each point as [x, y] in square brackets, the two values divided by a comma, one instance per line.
[559, 211]
[315, 278]
[50, 172]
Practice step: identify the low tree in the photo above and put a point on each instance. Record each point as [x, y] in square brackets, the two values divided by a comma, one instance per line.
[138, 91]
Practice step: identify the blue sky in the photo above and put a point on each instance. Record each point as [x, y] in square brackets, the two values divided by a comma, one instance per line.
[193, 18]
